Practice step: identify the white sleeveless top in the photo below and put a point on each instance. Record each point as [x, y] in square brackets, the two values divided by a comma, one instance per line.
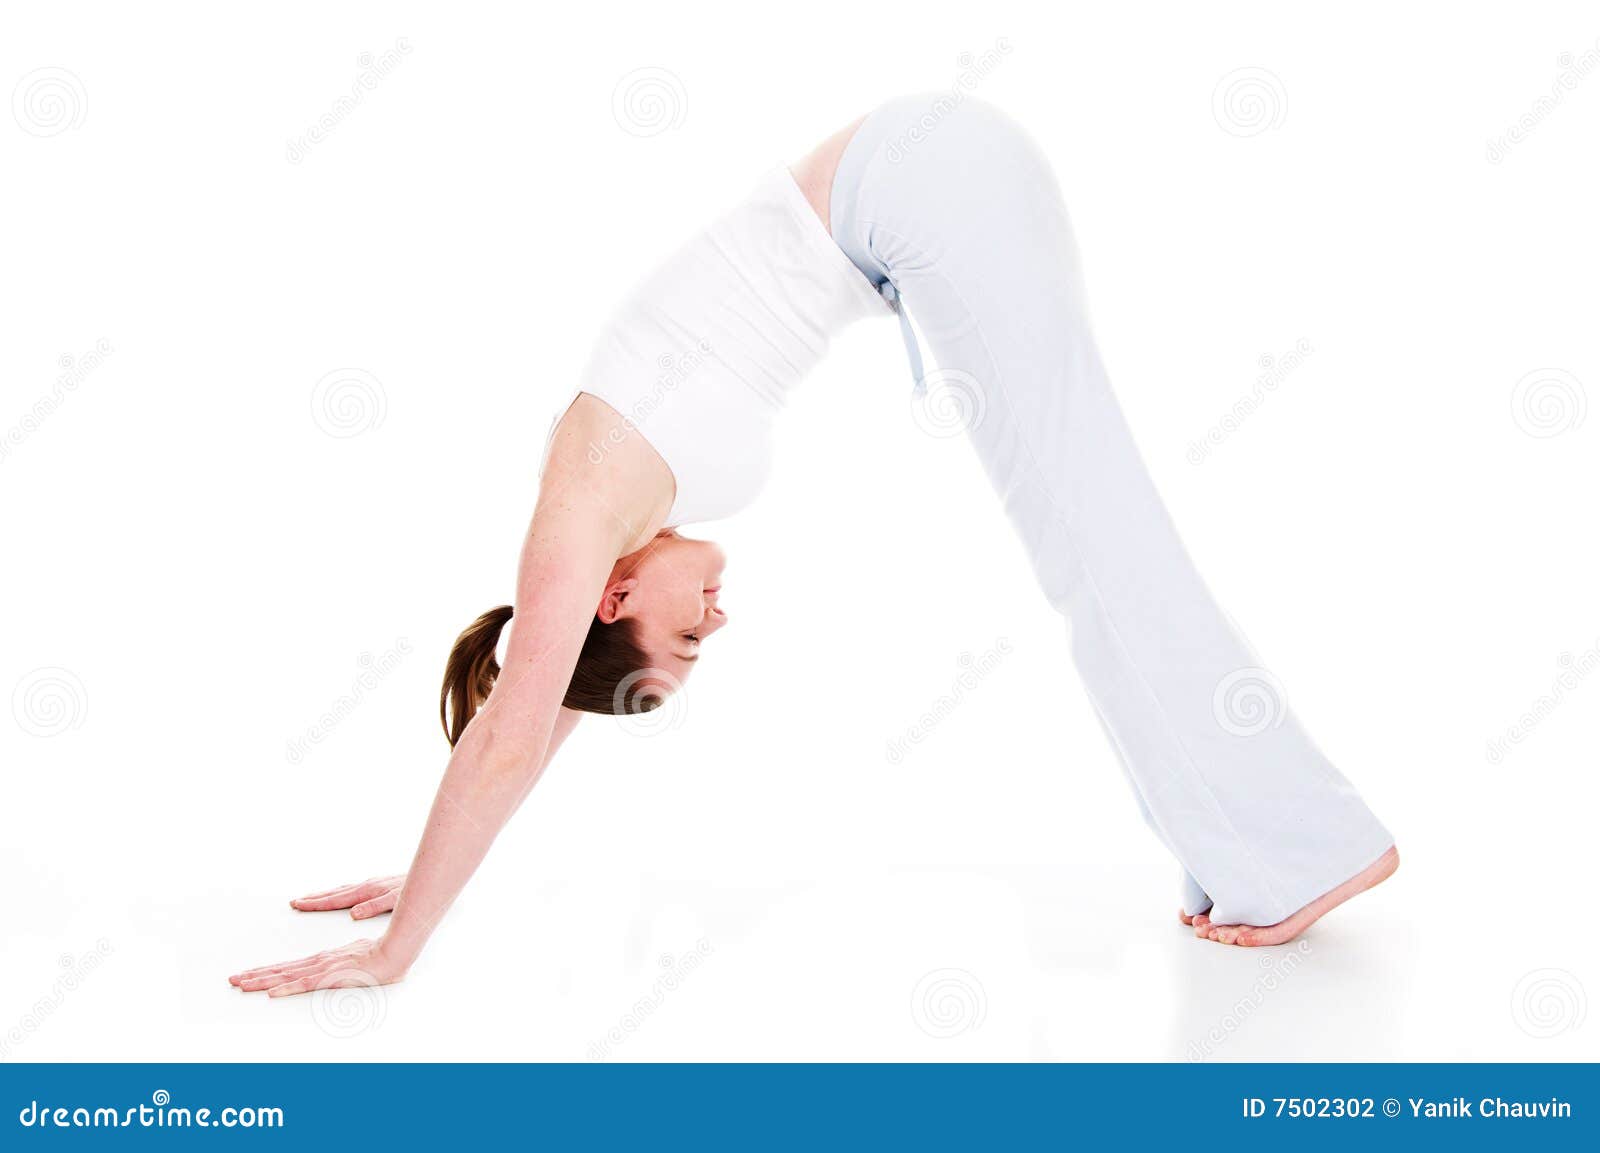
[702, 356]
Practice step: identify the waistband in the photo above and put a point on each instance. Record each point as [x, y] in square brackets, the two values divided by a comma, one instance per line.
[844, 200]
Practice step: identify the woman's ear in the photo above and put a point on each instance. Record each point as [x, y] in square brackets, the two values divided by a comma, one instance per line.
[614, 603]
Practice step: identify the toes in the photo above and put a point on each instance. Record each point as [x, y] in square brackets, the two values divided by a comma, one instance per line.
[1209, 930]
[1185, 918]
[1269, 935]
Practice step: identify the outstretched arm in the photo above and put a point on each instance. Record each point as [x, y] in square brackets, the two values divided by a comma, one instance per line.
[587, 517]
[501, 754]
[378, 895]
[494, 764]
[492, 768]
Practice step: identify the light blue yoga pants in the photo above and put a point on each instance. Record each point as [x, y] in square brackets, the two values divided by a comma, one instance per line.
[949, 202]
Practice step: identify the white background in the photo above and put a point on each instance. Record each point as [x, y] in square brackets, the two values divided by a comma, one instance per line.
[206, 567]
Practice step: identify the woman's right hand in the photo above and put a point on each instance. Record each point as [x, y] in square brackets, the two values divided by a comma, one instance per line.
[364, 899]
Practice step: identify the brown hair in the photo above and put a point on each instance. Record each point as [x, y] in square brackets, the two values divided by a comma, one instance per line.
[607, 666]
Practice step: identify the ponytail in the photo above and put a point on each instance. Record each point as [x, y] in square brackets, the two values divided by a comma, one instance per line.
[470, 672]
[605, 680]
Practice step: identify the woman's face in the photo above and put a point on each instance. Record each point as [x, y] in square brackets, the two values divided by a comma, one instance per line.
[669, 590]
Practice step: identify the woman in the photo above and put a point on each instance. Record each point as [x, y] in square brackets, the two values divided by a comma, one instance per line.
[945, 204]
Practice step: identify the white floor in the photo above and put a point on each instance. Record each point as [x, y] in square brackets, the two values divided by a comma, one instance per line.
[895, 965]
[985, 892]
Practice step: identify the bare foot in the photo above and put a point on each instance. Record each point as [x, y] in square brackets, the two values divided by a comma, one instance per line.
[1296, 923]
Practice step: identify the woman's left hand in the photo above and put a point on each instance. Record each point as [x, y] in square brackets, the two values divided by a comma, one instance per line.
[364, 899]
[360, 964]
